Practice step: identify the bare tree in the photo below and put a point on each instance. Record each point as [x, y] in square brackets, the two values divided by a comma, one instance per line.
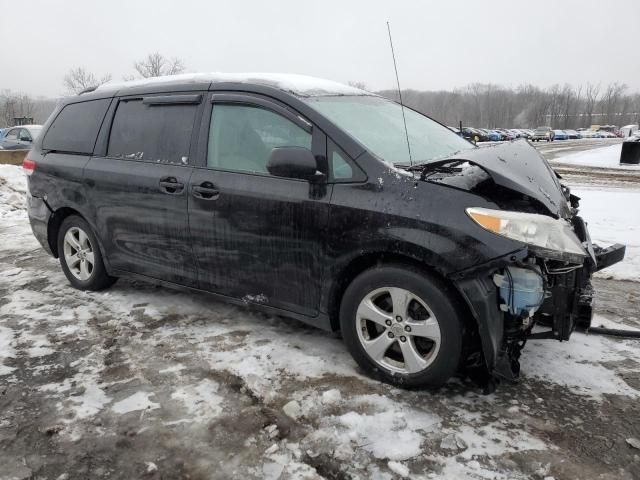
[609, 103]
[592, 92]
[156, 65]
[13, 105]
[79, 79]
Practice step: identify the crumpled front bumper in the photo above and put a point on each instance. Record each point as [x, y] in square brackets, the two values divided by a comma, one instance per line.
[568, 301]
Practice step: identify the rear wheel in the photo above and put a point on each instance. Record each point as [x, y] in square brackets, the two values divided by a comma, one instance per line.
[401, 326]
[80, 256]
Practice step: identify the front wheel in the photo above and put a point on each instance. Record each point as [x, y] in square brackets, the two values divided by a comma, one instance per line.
[401, 326]
[80, 256]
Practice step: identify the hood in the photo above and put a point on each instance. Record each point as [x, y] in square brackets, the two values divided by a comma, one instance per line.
[514, 166]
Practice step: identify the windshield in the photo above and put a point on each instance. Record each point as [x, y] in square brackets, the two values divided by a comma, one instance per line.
[377, 124]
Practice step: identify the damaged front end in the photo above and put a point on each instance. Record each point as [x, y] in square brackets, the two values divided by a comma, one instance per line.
[545, 283]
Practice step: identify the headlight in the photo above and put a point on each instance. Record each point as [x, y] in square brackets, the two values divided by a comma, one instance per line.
[539, 231]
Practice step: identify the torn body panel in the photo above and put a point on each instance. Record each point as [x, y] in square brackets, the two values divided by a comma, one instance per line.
[539, 286]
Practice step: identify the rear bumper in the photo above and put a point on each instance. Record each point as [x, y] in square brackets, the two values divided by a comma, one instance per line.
[39, 215]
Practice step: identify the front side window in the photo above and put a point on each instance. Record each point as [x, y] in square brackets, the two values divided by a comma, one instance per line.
[25, 136]
[378, 125]
[153, 133]
[241, 137]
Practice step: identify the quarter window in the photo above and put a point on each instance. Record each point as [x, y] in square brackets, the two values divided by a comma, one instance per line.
[343, 169]
[152, 132]
[340, 167]
[241, 137]
[76, 127]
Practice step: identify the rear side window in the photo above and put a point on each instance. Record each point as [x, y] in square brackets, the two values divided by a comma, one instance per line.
[76, 127]
[152, 132]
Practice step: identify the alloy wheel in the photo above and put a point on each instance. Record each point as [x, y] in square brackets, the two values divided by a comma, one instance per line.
[398, 330]
[78, 253]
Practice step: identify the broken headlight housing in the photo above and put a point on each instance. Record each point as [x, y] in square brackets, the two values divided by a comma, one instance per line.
[550, 237]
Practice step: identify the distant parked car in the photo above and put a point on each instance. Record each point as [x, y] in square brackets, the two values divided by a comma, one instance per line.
[474, 134]
[605, 134]
[572, 134]
[543, 133]
[494, 135]
[20, 138]
[506, 134]
[560, 135]
[527, 133]
[516, 132]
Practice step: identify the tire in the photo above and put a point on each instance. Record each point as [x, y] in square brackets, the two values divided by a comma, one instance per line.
[77, 246]
[431, 310]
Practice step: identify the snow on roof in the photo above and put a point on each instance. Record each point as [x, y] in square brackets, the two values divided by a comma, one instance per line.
[298, 84]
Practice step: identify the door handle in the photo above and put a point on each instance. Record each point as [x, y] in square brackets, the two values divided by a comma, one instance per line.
[205, 191]
[171, 186]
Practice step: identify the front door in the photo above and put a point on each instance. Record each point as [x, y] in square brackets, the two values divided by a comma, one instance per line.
[138, 188]
[256, 236]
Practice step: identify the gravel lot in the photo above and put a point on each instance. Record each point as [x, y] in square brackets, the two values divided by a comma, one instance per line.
[144, 382]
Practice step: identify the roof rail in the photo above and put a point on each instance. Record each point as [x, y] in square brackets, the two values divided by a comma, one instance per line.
[88, 90]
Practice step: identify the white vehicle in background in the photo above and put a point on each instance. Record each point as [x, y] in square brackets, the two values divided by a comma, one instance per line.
[629, 130]
[588, 134]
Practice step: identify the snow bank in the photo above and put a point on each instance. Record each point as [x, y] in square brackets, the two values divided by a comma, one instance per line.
[613, 216]
[603, 157]
[13, 191]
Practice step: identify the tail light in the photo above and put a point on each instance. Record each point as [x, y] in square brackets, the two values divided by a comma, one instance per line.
[28, 166]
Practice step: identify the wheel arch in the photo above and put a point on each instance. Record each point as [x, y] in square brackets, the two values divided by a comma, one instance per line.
[369, 260]
[53, 228]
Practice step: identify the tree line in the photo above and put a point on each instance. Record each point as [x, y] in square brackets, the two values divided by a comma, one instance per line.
[528, 106]
[481, 105]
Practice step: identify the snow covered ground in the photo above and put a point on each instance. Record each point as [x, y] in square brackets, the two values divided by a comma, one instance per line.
[602, 157]
[144, 382]
[613, 216]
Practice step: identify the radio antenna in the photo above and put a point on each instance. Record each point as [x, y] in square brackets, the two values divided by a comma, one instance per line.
[404, 119]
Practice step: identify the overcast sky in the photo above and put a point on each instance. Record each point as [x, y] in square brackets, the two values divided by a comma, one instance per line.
[439, 44]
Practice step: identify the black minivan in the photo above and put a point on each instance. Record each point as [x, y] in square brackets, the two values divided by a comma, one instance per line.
[319, 201]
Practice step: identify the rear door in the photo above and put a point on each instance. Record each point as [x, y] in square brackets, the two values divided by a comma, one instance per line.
[256, 236]
[137, 185]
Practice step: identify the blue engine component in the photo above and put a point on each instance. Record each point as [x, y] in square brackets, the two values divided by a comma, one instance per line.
[521, 290]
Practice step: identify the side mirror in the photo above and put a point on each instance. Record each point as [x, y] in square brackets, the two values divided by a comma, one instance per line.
[294, 162]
